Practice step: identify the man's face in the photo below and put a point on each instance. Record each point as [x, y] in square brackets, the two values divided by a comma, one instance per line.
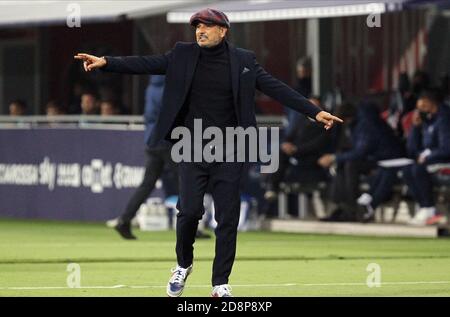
[52, 111]
[88, 104]
[107, 109]
[426, 105]
[16, 110]
[303, 72]
[209, 35]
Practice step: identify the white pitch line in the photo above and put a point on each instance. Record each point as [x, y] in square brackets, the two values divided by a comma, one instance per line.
[26, 288]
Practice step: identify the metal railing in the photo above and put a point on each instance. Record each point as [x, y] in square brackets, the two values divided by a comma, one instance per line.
[97, 121]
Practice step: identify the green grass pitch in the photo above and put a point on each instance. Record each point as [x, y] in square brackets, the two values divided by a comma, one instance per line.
[34, 258]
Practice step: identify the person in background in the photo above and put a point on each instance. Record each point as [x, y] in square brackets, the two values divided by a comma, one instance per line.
[372, 140]
[428, 143]
[53, 108]
[17, 108]
[109, 108]
[89, 104]
[306, 143]
[304, 87]
[75, 97]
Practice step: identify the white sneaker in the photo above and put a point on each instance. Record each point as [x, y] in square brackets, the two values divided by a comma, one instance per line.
[177, 281]
[112, 223]
[364, 200]
[223, 290]
[421, 217]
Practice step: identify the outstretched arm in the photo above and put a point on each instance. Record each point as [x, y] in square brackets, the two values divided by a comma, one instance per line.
[284, 94]
[154, 65]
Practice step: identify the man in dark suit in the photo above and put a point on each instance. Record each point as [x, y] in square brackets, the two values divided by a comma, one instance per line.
[159, 164]
[213, 81]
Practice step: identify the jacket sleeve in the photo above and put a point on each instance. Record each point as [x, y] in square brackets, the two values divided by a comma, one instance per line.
[360, 149]
[442, 151]
[414, 142]
[153, 65]
[284, 94]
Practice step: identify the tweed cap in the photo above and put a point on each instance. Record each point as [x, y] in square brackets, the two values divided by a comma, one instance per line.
[210, 16]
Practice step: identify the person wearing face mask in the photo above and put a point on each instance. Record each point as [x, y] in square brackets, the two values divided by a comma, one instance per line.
[428, 143]
[371, 140]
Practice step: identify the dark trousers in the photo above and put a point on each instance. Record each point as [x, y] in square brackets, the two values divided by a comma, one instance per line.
[345, 185]
[382, 185]
[307, 171]
[420, 184]
[222, 180]
[158, 159]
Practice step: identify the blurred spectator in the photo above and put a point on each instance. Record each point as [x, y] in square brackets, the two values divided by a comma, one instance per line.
[420, 82]
[371, 140]
[17, 108]
[304, 87]
[445, 88]
[403, 100]
[89, 103]
[304, 145]
[428, 144]
[304, 80]
[53, 108]
[75, 97]
[332, 99]
[109, 108]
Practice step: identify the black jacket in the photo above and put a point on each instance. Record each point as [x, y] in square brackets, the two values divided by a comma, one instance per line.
[179, 66]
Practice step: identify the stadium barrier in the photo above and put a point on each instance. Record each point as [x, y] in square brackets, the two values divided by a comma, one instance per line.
[82, 168]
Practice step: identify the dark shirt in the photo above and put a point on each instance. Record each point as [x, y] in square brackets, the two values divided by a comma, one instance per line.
[211, 96]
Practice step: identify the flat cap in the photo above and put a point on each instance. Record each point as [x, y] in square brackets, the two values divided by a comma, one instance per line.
[210, 16]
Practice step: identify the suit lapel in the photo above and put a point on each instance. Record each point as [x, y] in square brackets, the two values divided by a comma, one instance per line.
[190, 67]
[235, 66]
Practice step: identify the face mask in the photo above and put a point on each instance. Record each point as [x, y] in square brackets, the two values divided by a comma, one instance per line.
[425, 116]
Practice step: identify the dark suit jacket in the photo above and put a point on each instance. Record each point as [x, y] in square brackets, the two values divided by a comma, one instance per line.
[179, 66]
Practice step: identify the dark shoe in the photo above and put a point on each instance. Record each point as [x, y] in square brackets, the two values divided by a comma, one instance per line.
[124, 229]
[202, 235]
[335, 216]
